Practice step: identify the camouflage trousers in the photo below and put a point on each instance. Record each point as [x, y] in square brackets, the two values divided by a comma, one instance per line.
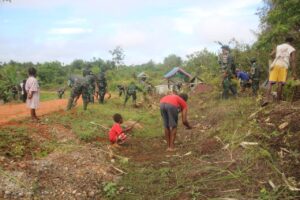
[102, 92]
[76, 91]
[121, 91]
[91, 92]
[60, 94]
[128, 95]
[255, 87]
[228, 86]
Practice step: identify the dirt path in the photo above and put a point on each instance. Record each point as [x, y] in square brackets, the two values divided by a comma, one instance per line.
[10, 112]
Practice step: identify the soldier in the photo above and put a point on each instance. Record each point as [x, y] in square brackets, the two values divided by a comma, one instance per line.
[14, 91]
[228, 66]
[149, 88]
[60, 92]
[79, 87]
[254, 75]
[102, 86]
[131, 91]
[121, 89]
[23, 91]
[91, 80]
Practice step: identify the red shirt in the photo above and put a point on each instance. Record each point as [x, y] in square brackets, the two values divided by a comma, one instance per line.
[174, 100]
[114, 132]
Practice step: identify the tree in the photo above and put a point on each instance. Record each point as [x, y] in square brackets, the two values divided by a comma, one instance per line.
[78, 64]
[172, 61]
[51, 72]
[10, 77]
[117, 56]
[201, 61]
[277, 19]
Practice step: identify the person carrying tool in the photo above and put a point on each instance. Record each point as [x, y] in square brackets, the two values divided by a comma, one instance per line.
[79, 87]
[116, 133]
[131, 92]
[244, 79]
[228, 67]
[284, 56]
[170, 106]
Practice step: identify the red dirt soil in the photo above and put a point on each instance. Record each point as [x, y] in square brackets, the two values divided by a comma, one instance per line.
[10, 112]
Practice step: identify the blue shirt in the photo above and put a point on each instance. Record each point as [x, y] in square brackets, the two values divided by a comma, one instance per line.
[243, 76]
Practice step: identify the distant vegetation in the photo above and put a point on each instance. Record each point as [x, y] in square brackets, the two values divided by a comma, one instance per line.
[278, 19]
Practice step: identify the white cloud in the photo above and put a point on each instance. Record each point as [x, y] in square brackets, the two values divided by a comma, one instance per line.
[130, 38]
[145, 29]
[69, 31]
[223, 22]
[73, 21]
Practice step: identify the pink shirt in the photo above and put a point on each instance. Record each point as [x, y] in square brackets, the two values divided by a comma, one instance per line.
[174, 100]
[32, 86]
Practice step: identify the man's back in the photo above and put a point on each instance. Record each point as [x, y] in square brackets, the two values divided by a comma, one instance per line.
[283, 52]
[243, 76]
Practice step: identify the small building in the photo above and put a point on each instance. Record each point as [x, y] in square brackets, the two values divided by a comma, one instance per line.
[196, 80]
[177, 77]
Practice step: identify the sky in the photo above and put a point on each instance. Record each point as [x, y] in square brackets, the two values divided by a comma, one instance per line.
[64, 30]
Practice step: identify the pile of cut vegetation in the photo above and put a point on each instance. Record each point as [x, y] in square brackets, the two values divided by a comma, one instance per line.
[281, 122]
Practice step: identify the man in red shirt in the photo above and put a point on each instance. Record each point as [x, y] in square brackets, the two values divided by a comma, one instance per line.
[170, 106]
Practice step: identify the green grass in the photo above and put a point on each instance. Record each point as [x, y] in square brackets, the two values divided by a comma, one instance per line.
[51, 95]
[79, 120]
[197, 176]
[16, 143]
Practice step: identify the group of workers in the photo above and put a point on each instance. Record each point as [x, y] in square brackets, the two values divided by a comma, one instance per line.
[231, 73]
[283, 56]
[171, 105]
[90, 86]
[87, 86]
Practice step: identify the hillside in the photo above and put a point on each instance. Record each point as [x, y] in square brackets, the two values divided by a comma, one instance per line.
[236, 150]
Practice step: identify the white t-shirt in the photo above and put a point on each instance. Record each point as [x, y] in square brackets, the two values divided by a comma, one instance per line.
[283, 53]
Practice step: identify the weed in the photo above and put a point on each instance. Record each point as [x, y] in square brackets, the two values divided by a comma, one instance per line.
[110, 189]
[164, 171]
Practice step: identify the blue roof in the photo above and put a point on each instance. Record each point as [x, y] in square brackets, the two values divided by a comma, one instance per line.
[176, 70]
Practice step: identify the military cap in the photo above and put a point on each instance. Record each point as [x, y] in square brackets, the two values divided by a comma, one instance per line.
[226, 47]
[253, 60]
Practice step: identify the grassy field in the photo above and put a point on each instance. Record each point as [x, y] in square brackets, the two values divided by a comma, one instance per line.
[229, 154]
[51, 95]
[80, 121]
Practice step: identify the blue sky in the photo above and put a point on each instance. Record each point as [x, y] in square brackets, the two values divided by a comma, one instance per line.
[64, 30]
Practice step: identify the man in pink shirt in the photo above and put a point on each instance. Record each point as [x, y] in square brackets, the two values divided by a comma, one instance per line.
[170, 106]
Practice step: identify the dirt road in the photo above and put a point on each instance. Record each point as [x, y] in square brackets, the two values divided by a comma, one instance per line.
[10, 112]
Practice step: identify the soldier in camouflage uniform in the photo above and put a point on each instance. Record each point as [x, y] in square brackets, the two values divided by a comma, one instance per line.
[131, 92]
[60, 92]
[255, 75]
[228, 67]
[79, 86]
[102, 86]
[91, 80]
[121, 89]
